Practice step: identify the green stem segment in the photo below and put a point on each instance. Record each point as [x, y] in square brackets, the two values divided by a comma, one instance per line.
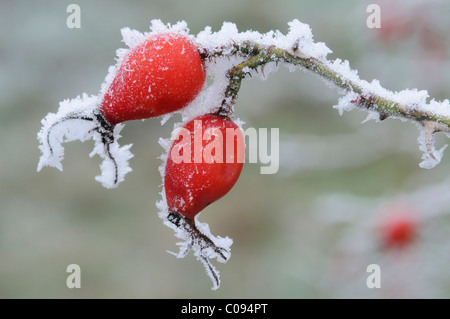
[257, 56]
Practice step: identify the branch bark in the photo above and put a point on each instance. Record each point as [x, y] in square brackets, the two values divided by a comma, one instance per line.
[257, 56]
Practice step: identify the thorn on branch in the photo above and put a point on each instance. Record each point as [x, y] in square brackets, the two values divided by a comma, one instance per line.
[296, 45]
[204, 54]
[364, 101]
[174, 218]
[383, 116]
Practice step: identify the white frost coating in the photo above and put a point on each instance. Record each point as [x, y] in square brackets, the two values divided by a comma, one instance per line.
[371, 115]
[299, 36]
[345, 103]
[75, 120]
[131, 37]
[114, 167]
[430, 156]
[442, 107]
[53, 133]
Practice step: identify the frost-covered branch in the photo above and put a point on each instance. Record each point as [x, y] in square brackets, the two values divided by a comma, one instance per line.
[297, 49]
[228, 57]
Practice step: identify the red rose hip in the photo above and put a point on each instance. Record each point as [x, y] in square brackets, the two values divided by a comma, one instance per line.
[158, 76]
[204, 163]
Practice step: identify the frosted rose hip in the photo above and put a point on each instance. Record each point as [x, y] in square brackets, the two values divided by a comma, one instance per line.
[192, 185]
[158, 76]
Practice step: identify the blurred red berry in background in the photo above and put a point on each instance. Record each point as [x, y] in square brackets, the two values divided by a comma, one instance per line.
[398, 227]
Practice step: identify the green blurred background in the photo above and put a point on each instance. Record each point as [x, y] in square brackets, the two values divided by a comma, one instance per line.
[284, 244]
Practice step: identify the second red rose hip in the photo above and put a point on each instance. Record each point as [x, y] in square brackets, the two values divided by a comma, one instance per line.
[204, 163]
